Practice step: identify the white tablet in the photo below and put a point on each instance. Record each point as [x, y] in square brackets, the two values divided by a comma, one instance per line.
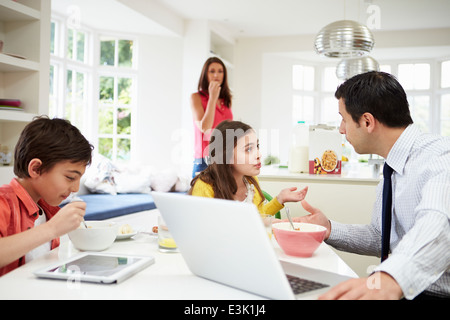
[96, 267]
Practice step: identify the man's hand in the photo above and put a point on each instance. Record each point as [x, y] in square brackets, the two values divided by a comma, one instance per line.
[378, 286]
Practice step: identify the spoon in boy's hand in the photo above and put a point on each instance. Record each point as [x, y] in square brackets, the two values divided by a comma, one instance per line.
[78, 199]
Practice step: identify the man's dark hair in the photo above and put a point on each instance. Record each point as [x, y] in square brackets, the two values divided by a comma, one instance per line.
[51, 141]
[378, 93]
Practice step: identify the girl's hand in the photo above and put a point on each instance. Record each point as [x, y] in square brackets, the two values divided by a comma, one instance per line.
[291, 195]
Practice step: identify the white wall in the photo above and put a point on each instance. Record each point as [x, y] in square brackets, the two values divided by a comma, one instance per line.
[159, 99]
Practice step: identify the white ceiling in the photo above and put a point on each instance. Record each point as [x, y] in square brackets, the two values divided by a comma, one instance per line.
[255, 18]
[251, 18]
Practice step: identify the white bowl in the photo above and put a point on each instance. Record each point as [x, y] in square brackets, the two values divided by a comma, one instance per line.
[99, 236]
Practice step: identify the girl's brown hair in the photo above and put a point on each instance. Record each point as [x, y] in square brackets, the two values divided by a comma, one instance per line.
[203, 83]
[219, 173]
[51, 141]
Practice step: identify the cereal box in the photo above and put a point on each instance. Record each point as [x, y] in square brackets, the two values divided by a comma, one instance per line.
[325, 150]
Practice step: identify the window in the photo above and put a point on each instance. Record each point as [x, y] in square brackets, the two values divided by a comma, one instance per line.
[313, 97]
[116, 98]
[426, 83]
[104, 117]
[303, 99]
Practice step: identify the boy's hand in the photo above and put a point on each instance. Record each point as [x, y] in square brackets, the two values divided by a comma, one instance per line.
[68, 218]
[291, 195]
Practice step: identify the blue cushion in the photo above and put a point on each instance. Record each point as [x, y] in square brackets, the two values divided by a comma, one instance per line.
[105, 206]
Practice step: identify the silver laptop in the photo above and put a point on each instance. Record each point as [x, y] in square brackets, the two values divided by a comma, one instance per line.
[225, 241]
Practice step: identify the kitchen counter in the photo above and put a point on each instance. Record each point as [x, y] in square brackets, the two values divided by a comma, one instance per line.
[361, 174]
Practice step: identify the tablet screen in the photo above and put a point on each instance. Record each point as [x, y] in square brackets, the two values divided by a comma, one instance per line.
[96, 265]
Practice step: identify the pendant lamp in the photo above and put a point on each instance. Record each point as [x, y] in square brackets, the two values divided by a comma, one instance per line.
[348, 68]
[344, 39]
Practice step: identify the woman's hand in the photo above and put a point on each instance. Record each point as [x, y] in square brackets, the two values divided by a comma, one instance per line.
[214, 91]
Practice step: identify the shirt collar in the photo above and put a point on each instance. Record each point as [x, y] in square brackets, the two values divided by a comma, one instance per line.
[400, 151]
[24, 197]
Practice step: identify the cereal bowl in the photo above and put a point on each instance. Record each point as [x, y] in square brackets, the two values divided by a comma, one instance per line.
[301, 242]
[98, 236]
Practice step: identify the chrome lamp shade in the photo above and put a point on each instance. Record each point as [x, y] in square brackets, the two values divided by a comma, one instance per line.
[344, 39]
[348, 68]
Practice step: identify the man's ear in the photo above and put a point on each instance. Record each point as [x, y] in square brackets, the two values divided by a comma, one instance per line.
[368, 121]
[34, 167]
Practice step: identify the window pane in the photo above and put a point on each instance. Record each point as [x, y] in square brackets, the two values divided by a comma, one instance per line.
[303, 109]
[297, 77]
[123, 149]
[308, 78]
[303, 77]
[422, 76]
[105, 147]
[81, 38]
[330, 111]
[414, 76]
[105, 120]
[52, 37]
[79, 93]
[123, 121]
[385, 68]
[68, 111]
[106, 89]
[420, 111]
[124, 90]
[445, 115]
[125, 53]
[330, 80]
[69, 85]
[107, 51]
[445, 74]
[70, 43]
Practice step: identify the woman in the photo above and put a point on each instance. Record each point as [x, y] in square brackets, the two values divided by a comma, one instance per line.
[235, 163]
[210, 106]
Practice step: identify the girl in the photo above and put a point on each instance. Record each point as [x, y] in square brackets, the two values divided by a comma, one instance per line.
[235, 163]
[210, 106]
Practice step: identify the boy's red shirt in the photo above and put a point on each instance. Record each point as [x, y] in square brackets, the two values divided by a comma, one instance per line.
[18, 212]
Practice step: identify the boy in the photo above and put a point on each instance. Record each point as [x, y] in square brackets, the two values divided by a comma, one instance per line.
[50, 158]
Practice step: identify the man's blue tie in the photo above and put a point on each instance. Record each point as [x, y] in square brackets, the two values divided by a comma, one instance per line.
[387, 212]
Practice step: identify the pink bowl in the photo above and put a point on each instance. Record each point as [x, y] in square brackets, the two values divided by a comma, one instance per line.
[299, 243]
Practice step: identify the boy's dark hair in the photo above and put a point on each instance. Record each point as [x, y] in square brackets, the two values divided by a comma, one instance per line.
[51, 141]
[379, 94]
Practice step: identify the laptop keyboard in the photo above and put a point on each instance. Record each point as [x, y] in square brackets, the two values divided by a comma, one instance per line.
[300, 285]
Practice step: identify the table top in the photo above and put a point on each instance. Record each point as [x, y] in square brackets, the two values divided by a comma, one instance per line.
[168, 278]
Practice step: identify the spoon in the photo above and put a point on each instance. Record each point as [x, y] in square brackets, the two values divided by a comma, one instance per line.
[289, 217]
[78, 199]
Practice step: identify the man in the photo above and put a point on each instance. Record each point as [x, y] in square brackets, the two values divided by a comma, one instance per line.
[376, 120]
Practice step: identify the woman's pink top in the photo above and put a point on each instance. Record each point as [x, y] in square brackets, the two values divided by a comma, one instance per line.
[202, 139]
